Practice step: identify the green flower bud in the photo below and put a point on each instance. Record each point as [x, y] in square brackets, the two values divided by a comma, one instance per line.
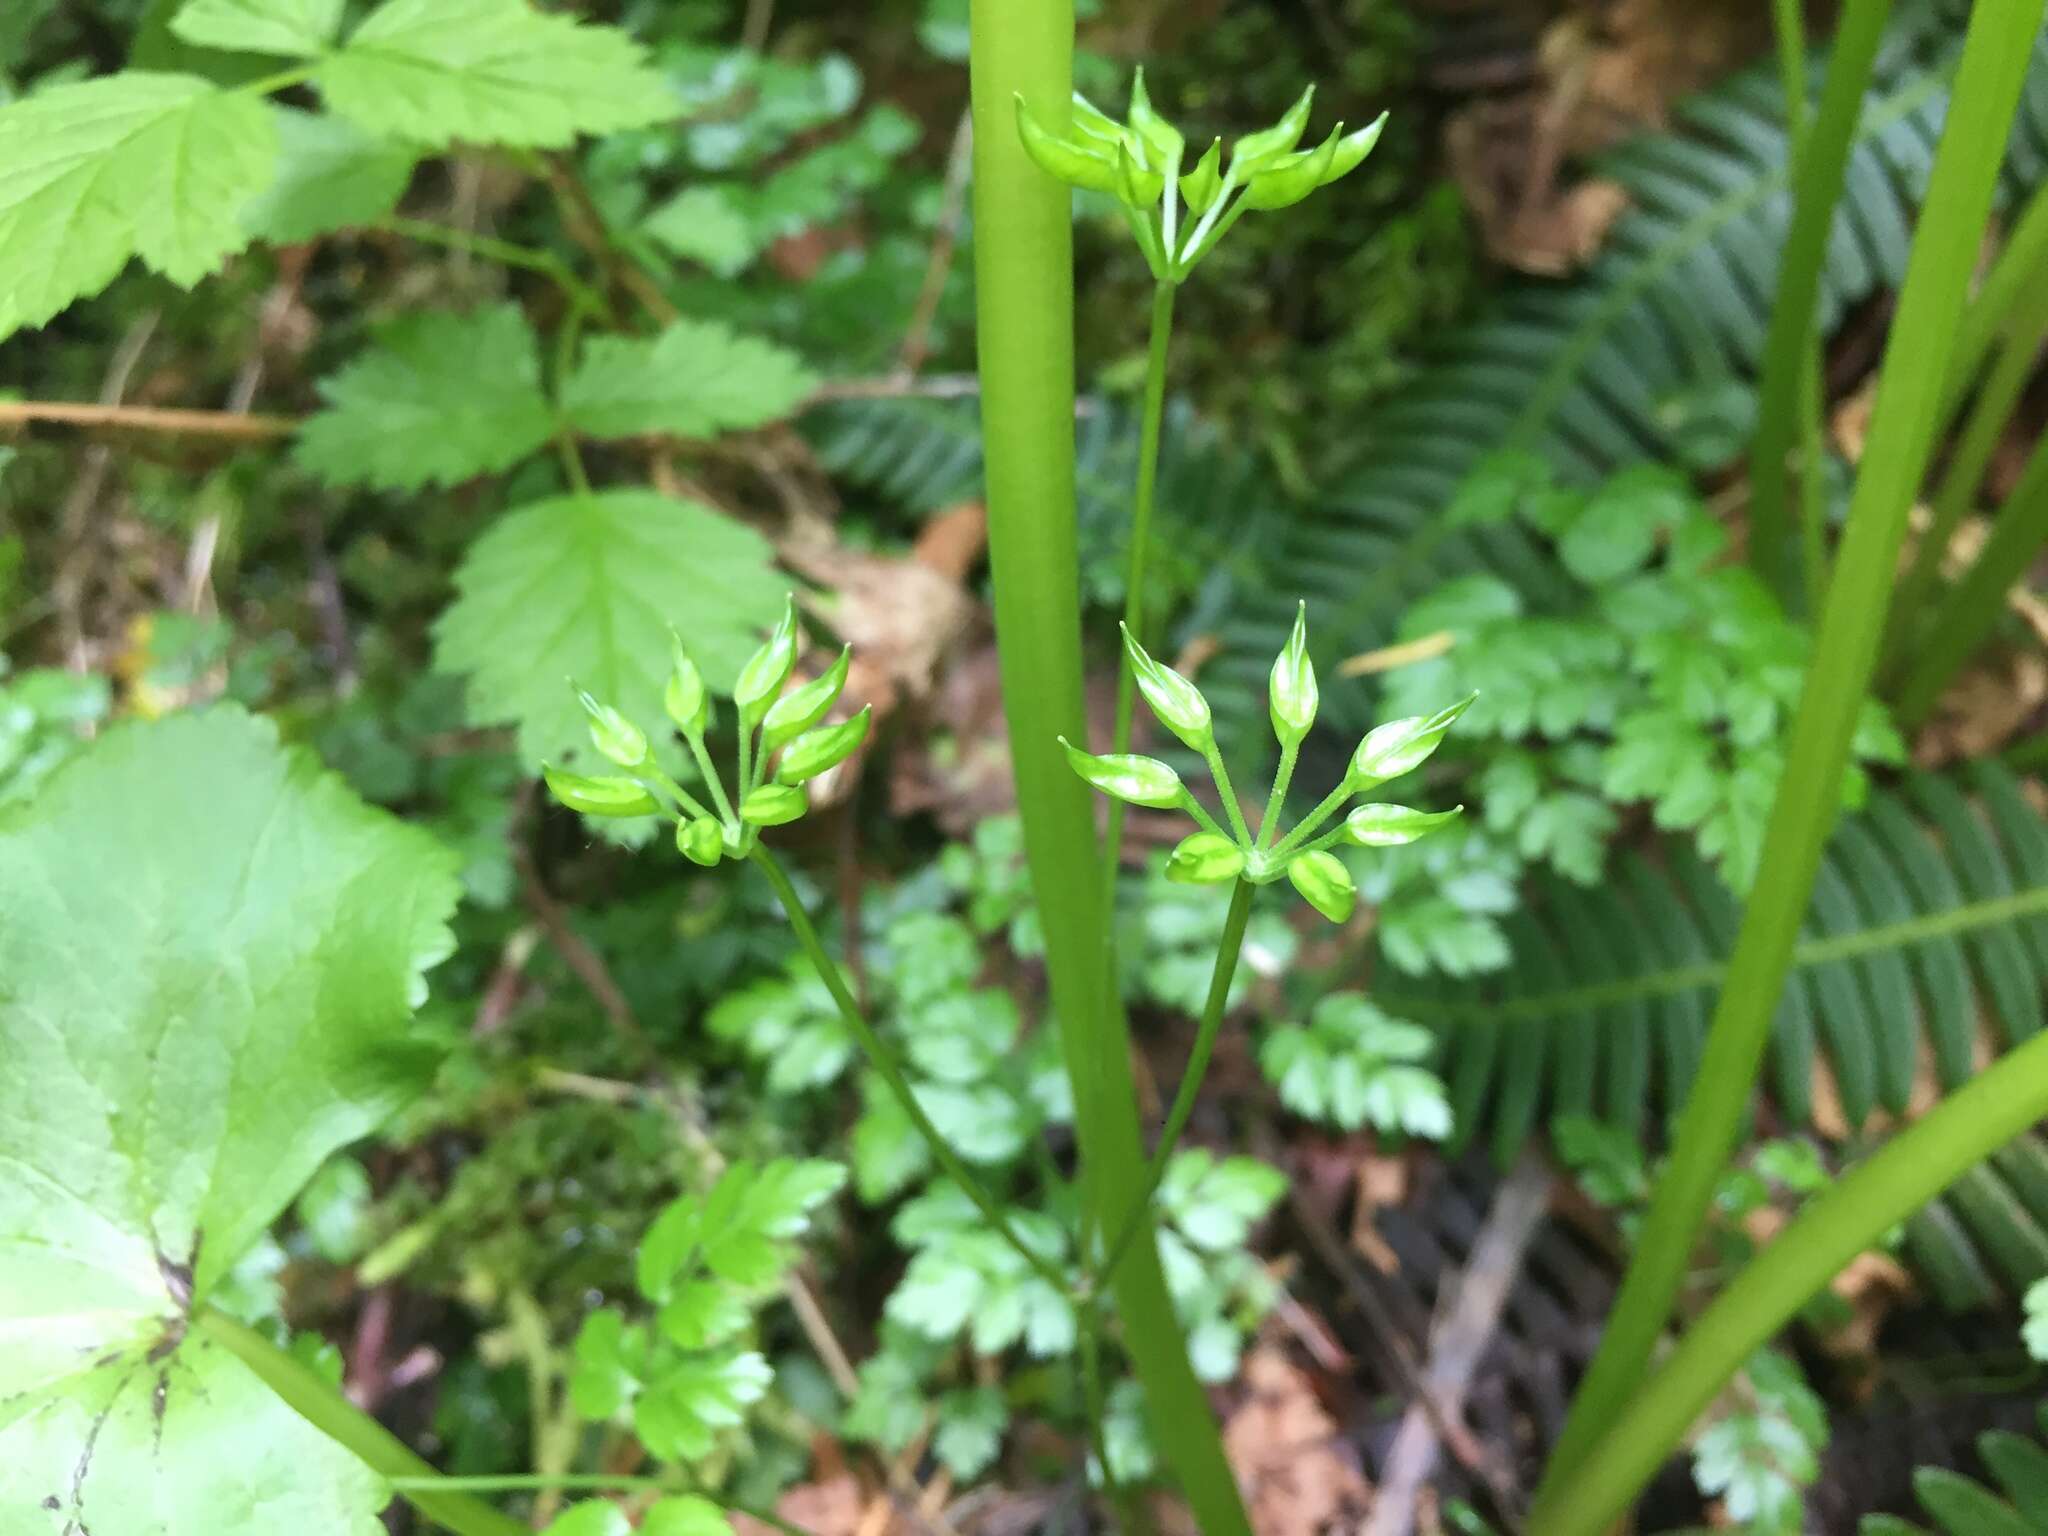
[687, 700]
[1391, 750]
[1389, 826]
[701, 841]
[1352, 150]
[1138, 186]
[1127, 776]
[1065, 159]
[801, 708]
[1287, 181]
[1176, 701]
[1205, 858]
[1324, 883]
[1255, 151]
[827, 747]
[613, 735]
[771, 805]
[761, 679]
[613, 795]
[1291, 695]
[1160, 136]
[1091, 122]
[1199, 188]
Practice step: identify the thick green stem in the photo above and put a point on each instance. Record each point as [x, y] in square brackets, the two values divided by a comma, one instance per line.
[1217, 1004]
[1908, 1172]
[1793, 341]
[1996, 52]
[1023, 260]
[883, 1060]
[1140, 554]
[313, 1399]
[2021, 262]
[1269, 824]
[1973, 609]
[1788, 21]
[1958, 490]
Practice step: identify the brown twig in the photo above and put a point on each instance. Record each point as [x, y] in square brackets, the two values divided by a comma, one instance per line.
[68, 589]
[584, 223]
[148, 418]
[917, 336]
[1457, 1342]
[586, 962]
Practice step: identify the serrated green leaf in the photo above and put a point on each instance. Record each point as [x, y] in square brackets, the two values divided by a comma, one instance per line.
[589, 585]
[134, 164]
[295, 29]
[491, 72]
[330, 175]
[209, 955]
[441, 398]
[684, 1514]
[678, 1417]
[702, 1313]
[696, 379]
[970, 1432]
[593, 1517]
[704, 224]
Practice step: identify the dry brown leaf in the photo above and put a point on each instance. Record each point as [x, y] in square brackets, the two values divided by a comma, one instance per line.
[1297, 1473]
[831, 1506]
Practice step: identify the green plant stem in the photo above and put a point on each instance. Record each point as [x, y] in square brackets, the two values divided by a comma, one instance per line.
[581, 296]
[1904, 1175]
[1996, 51]
[1024, 300]
[1140, 554]
[1957, 493]
[2021, 261]
[1315, 818]
[309, 1395]
[1792, 342]
[1977, 602]
[883, 1060]
[1269, 823]
[1217, 1004]
[1788, 21]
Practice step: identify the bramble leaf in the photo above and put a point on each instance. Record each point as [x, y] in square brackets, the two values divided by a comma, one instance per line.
[491, 72]
[330, 175]
[136, 164]
[696, 379]
[294, 29]
[589, 585]
[209, 955]
[441, 398]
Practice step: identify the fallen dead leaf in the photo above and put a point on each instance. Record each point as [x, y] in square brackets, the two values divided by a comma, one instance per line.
[1298, 1475]
[831, 1506]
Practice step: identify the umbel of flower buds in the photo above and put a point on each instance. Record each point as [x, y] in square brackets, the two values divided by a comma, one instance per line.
[1178, 212]
[1216, 853]
[784, 742]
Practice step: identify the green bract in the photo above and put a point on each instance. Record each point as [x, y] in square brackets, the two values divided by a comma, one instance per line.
[613, 795]
[1176, 214]
[1215, 854]
[782, 744]
[1127, 776]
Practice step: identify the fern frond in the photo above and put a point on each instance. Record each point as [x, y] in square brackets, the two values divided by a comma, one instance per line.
[1582, 372]
[1961, 1506]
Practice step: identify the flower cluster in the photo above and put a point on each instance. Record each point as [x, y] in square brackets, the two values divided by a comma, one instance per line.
[1216, 854]
[773, 725]
[1179, 215]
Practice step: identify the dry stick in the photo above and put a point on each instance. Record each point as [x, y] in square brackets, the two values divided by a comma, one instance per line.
[146, 418]
[1456, 1345]
[1330, 1249]
[69, 587]
[917, 335]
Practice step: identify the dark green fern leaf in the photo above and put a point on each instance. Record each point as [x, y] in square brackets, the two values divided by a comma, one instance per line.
[1924, 952]
[1960, 1506]
[1217, 506]
[1587, 373]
